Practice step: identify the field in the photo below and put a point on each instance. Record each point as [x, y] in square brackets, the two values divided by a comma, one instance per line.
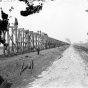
[82, 50]
[82, 47]
[10, 67]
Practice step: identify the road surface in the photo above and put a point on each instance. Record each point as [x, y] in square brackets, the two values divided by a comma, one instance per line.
[66, 72]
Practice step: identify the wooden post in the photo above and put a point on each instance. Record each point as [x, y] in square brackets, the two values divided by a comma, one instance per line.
[12, 41]
[36, 39]
[20, 40]
[3, 45]
[28, 41]
[23, 40]
[33, 39]
[16, 40]
[8, 51]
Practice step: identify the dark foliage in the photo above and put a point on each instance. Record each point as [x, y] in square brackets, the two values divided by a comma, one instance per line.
[86, 10]
[4, 15]
[4, 21]
[1, 80]
[16, 21]
[3, 25]
[4, 83]
[30, 9]
[25, 1]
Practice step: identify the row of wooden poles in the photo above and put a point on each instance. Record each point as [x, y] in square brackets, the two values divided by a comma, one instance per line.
[21, 41]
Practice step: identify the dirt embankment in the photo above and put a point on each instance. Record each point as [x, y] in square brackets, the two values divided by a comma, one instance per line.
[83, 51]
[66, 72]
[10, 68]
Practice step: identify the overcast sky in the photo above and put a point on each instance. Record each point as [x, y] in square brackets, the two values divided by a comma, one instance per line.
[60, 19]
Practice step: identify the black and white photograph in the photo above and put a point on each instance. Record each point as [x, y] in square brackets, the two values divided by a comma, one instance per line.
[43, 43]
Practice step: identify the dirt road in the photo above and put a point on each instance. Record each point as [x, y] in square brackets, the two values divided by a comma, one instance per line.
[66, 72]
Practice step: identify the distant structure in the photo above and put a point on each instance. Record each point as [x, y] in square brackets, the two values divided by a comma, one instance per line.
[86, 10]
[68, 40]
[18, 40]
[16, 22]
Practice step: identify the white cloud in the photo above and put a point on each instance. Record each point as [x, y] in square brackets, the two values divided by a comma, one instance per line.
[73, 2]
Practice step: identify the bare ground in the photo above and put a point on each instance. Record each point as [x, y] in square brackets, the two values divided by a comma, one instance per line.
[70, 71]
[11, 67]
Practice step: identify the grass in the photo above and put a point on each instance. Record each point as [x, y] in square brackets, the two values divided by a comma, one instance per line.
[10, 70]
[83, 51]
[82, 47]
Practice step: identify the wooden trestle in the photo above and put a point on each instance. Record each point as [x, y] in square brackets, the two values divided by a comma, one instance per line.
[21, 41]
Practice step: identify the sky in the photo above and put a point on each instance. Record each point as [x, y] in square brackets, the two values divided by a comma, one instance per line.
[60, 19]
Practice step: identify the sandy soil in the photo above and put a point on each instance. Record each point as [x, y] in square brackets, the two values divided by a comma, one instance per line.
[66, 72]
